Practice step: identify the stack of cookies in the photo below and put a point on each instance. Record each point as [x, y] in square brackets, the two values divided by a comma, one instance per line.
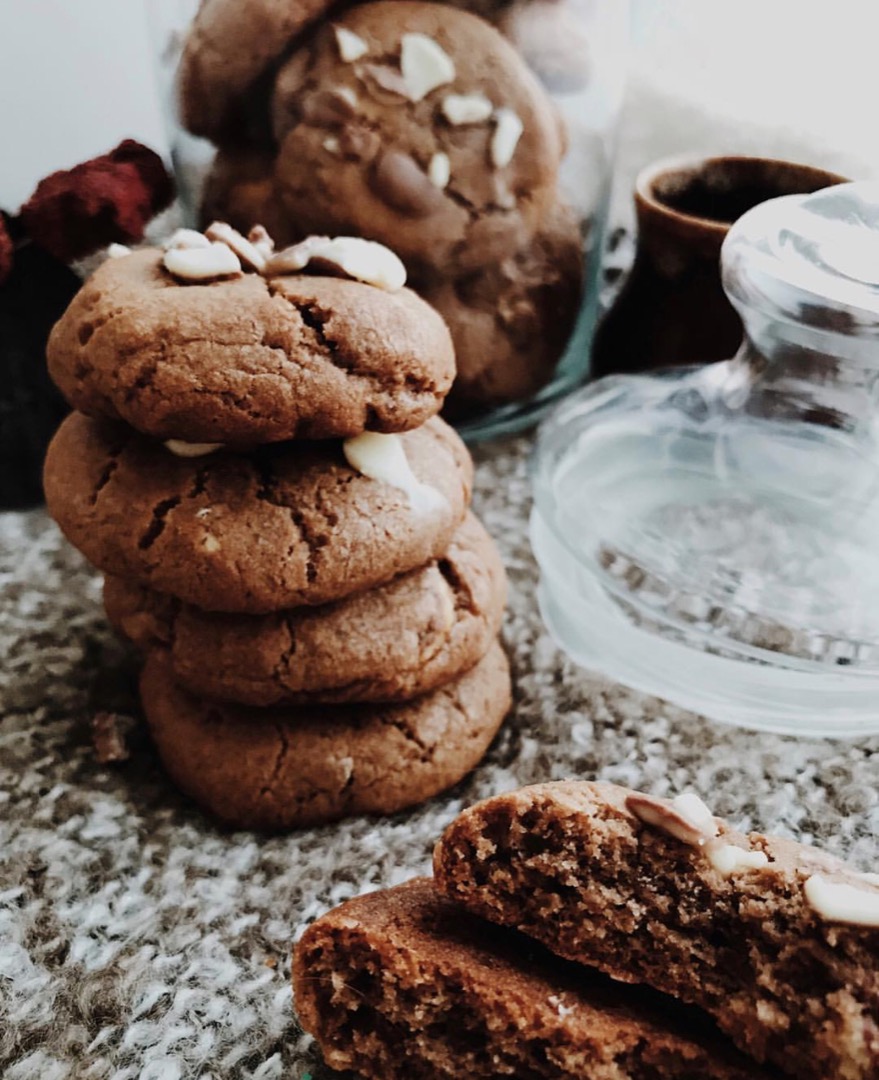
[547, 901]
[257, 467]
[414, 124]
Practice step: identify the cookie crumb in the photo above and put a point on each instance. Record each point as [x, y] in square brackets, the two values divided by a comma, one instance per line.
[108, 737]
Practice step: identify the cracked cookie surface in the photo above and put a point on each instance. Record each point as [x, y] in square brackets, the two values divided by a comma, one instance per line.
[356, 154]
[249, 360]
[275, 769]
[392, 643]
[285, 525]
[402, 983]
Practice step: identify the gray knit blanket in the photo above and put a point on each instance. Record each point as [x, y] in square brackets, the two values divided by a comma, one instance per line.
[140, 942]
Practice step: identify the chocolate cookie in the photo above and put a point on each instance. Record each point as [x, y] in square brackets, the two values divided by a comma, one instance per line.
[510, 322]
[224, 70]
[403, 984]
[275, 769]
[286, 525]
[392, 643]
[778, 941]
[240, 188]
[249, 359]
[420, 126]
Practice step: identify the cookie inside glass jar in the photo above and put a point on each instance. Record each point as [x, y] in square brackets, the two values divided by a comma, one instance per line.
[471, 138]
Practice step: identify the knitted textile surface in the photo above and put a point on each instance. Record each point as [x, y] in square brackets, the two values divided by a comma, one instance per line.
[140, 942]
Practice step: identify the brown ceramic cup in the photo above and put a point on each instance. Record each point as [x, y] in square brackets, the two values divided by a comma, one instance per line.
[672, 309]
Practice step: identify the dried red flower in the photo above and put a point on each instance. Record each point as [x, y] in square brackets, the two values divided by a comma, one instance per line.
[109, 199]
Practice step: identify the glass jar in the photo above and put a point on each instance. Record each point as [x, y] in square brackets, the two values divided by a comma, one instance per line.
[487, 168]
[709, 535]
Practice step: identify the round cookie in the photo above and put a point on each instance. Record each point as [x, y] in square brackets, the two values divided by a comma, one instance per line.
[226, 60]
[391, 643]
[282, 526]
[511, 322]
[359, 154]
[274, 769]
[240, 189]
[249, 359]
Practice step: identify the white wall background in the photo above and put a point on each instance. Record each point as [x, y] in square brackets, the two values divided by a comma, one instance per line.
[789, 77]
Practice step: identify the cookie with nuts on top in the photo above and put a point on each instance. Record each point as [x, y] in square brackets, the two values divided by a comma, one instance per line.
[283, 525]
[184, 344]
[391, 643]
[777, 940]
[401, 984]
[283, 768]
[418, 125]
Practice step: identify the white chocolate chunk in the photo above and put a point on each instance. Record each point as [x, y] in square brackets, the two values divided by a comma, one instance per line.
[425, 65]
[383, 457]
[211, 543]
[202, 264]
[346, 93]
[191, 449]
[838, 902]
[728, 859]
[439, 171]
[186, 238]
[351, 46]
[466, 108]
[118, 251]
[690, 806]
[332, 145]
[250, 255]
[507, 132]
[350, 256]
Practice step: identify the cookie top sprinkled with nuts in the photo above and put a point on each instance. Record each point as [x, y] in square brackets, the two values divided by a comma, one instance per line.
[418, 125]
[219, 338]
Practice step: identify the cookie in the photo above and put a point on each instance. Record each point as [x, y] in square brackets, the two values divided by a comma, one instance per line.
[226, 61]
[778, 941]
[240, 188]
[275, 769]
[249, 359]
[285, 525]
[511, 322]
[403, 984]
[417, 125]
[392, 643]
